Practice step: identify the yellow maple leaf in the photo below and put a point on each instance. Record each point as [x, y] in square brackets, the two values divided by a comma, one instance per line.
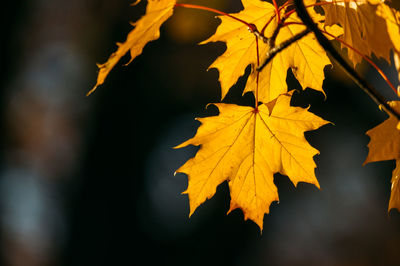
[392, 19]
[385, 139]
[369, 26]
[385, 145]
[246, 147]
[146, 29]
[306, 57]
[396, 58]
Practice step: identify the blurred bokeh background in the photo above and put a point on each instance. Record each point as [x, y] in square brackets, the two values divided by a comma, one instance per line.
[89, 180]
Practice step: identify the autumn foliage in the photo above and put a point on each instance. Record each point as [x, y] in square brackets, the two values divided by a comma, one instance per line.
[246, 146]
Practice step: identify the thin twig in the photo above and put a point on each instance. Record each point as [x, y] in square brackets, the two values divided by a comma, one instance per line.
[327, 45]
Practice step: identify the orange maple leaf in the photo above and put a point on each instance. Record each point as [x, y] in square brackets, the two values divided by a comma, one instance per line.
[246, 146]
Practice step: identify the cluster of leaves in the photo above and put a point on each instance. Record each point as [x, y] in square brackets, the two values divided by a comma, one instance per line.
[245, 145]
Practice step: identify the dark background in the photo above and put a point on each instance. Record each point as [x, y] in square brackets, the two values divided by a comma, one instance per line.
[107, 165]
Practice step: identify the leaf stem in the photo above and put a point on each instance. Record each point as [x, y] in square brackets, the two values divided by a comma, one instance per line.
[327, 45]
[257, 75]
[273, 16]
[266, 24]
[277, 11]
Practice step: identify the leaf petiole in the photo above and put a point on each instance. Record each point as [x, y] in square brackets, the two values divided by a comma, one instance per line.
[277, 11]
[257, 76]
[273, 16]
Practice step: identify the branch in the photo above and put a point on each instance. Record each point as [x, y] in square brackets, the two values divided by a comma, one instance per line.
[327, 45]
[274, 51]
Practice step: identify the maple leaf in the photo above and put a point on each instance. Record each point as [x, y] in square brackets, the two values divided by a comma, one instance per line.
[306, 57]
[396, 58]
[394, 201]
[146, 29]
[385, 145]
[246, 146]
[371, 27]
[392, 19]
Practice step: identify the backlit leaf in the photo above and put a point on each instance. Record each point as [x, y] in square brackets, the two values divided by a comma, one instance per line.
[146, 29]
[306, 57]
[394, 201]
[246, 148]
[369, 26]
[385, 139]
[385, 145]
